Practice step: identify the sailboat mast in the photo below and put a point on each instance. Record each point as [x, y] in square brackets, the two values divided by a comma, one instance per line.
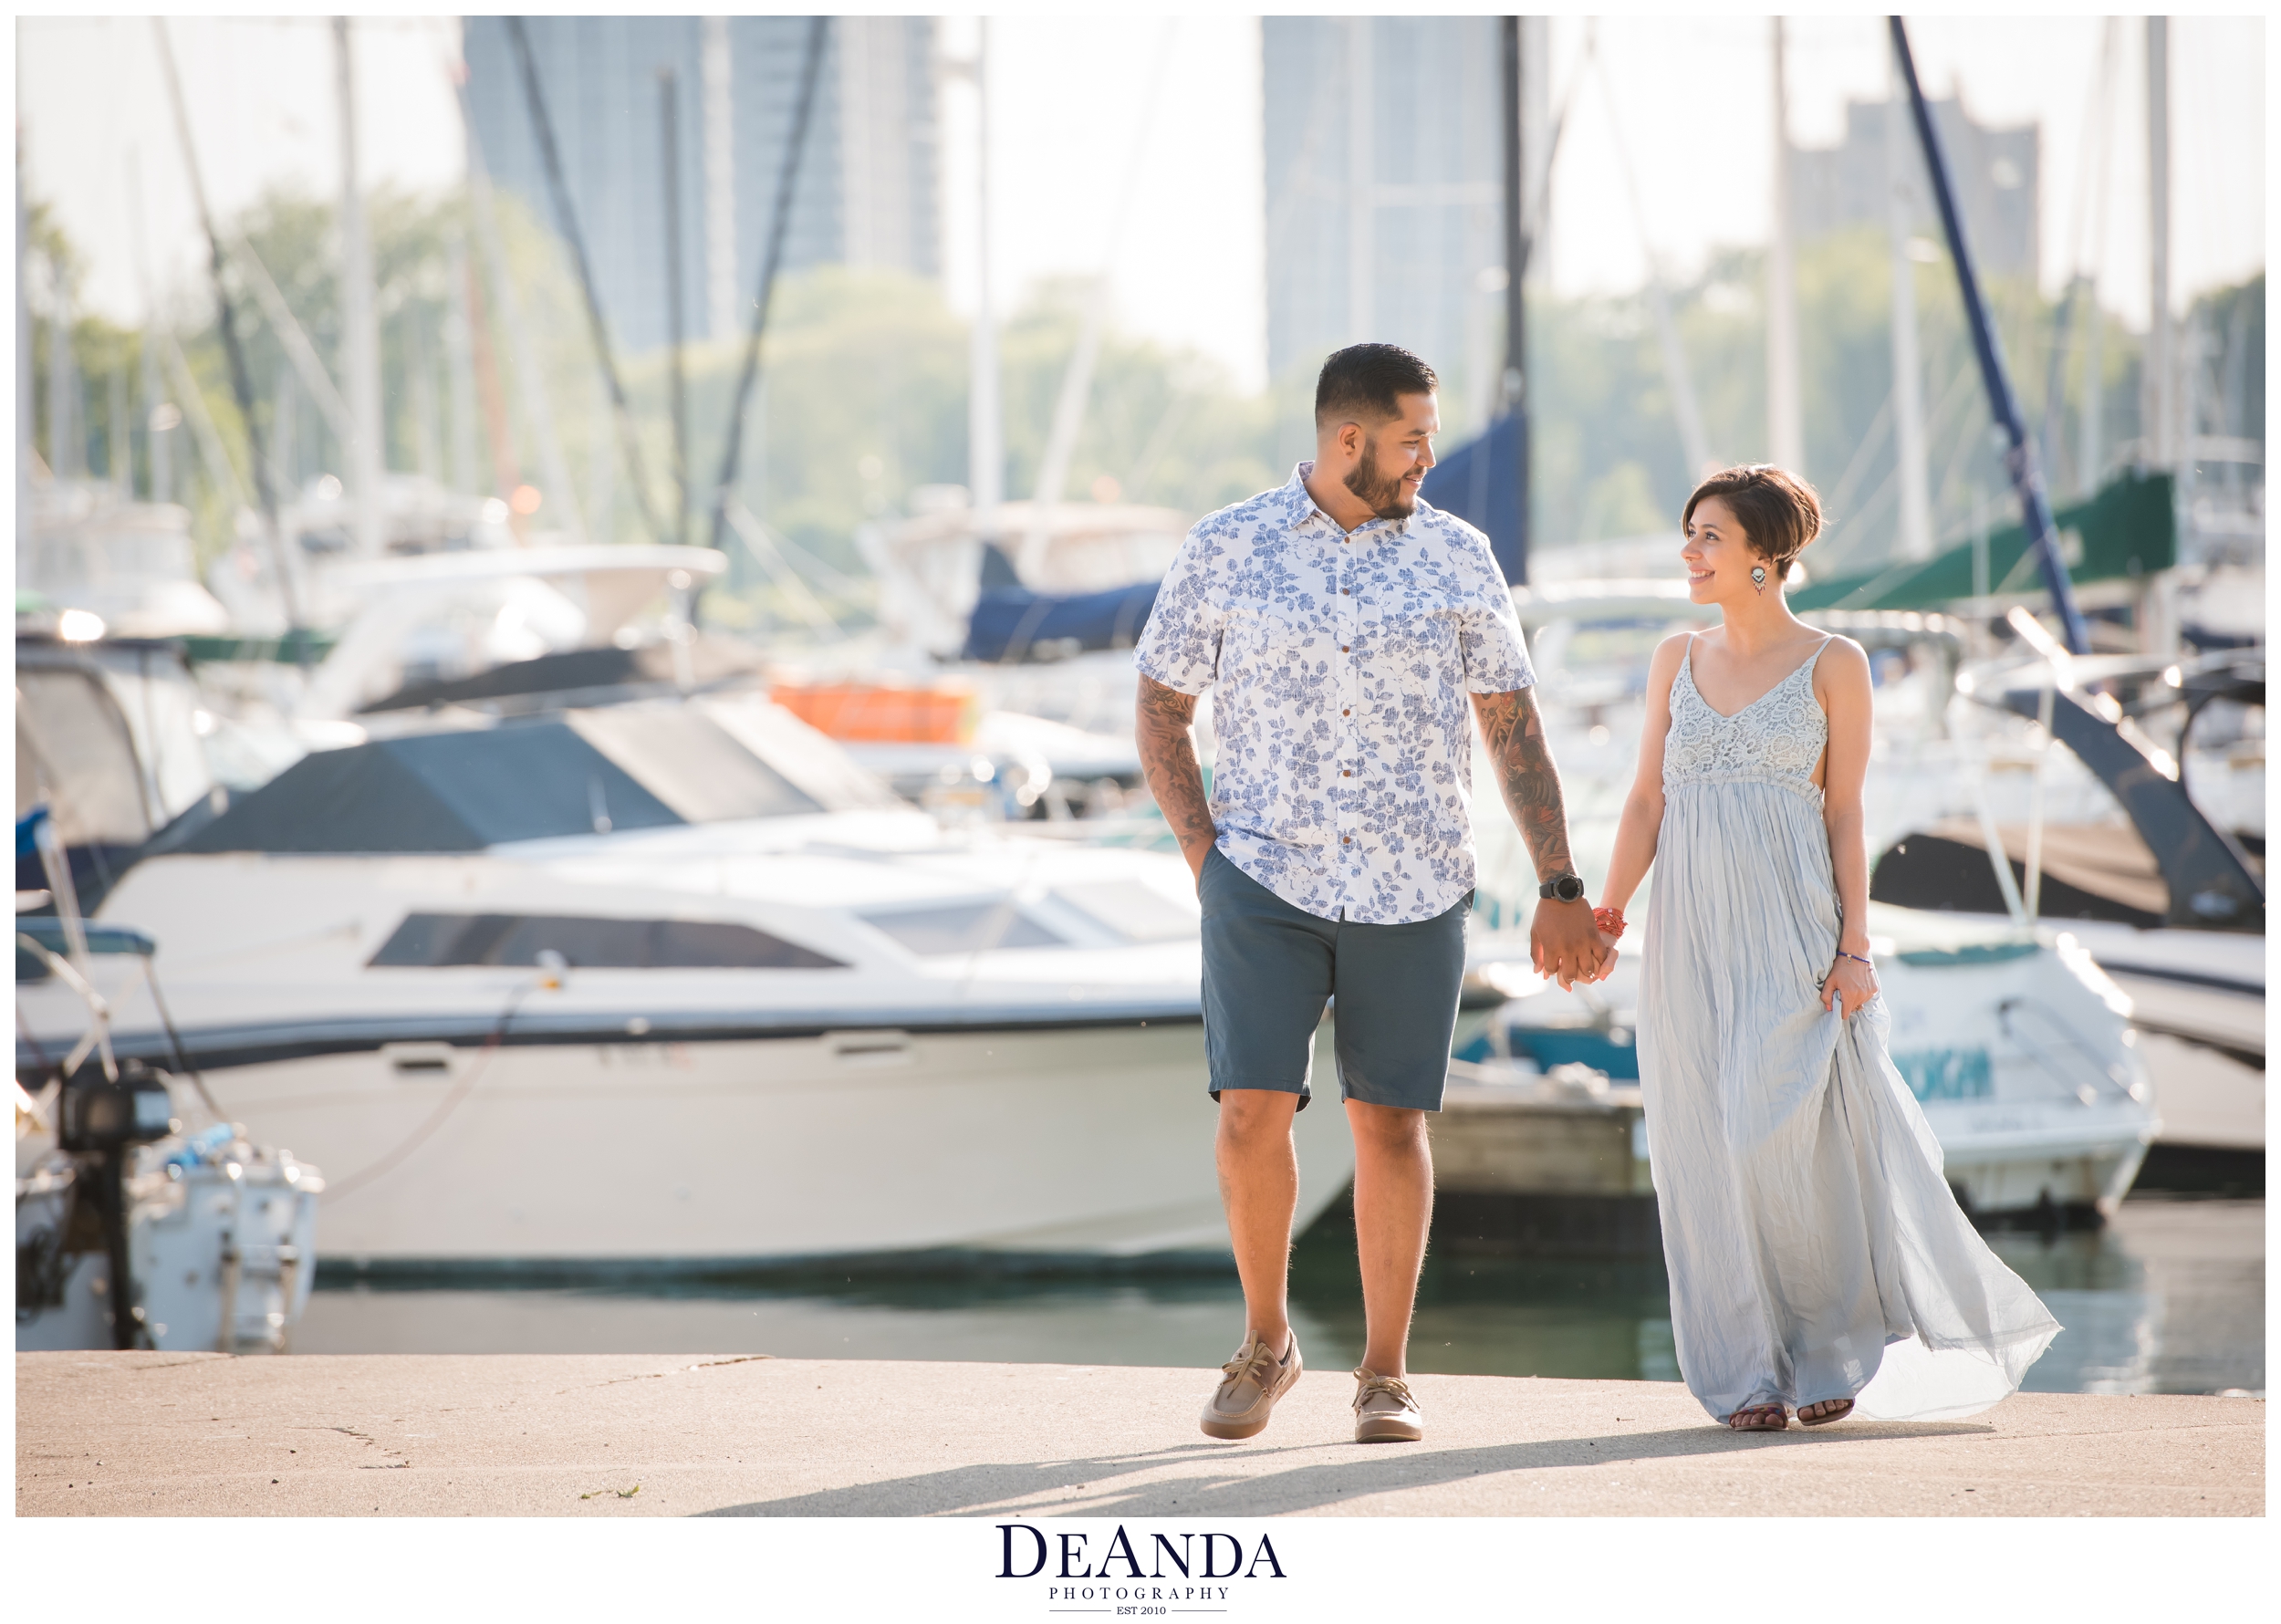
[158, 447]
[2161, 405]
[1514, 395]
[360, 332]
[66, 443]
[670, 155]
[23, 368]
[1916, 504]
[985, 426]
[720, 134]
[1785, 434]
[2090, 451]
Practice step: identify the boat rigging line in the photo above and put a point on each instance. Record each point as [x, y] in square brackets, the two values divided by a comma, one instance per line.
[1694, 442]
[1077, 377]
[767, 552]
[291, 335]
[505, 316]
[787, 179]
[2019, 457]
[451, 1102]
[241, 382]
[2082, 289]
[567, 216]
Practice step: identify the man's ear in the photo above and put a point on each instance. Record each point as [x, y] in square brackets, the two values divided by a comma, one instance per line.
[1350, 439]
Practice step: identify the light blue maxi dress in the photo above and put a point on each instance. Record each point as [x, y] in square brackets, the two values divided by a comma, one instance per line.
[1814, 1248]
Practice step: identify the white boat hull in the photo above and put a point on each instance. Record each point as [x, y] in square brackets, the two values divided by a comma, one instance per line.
[1074, 1141]
[1047, 1098]
[2009, 1159]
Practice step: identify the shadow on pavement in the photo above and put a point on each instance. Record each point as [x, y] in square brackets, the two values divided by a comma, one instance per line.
[1090, 1487]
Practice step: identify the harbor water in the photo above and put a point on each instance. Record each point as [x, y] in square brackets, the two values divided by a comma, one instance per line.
[2169, 1297]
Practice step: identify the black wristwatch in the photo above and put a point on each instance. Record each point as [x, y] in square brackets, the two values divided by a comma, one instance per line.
[1561, 888]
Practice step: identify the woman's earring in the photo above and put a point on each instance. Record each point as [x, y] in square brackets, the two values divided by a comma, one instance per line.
[1758, 578]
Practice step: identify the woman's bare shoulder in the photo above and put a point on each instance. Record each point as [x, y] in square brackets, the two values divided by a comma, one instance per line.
[1841, 673]
[1668, 653]
[1843, 660]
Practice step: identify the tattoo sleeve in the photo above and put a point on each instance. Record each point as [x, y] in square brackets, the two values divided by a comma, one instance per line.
[1168, 757]
[1514, 732]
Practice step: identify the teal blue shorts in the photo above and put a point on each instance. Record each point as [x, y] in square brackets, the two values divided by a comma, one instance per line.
[1269, 970]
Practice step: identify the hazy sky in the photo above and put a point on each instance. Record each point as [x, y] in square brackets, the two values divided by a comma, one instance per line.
[1070, 93]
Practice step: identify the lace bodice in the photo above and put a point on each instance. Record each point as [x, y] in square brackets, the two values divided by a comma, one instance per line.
[1778, 736]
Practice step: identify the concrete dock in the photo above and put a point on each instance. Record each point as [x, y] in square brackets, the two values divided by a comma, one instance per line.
[187, 1434]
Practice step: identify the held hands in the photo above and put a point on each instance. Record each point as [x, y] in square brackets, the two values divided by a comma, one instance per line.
[1564, 946]
[1850, 984]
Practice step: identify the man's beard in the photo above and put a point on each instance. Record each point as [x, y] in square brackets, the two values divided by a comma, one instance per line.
[1388, 498]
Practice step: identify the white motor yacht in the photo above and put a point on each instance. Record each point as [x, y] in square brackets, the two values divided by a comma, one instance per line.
[674, 983]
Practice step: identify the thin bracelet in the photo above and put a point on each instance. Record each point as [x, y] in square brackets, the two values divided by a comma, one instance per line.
[1857, 958]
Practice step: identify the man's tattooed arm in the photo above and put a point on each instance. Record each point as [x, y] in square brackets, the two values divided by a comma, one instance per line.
[1168, 755]
[1514, 733]
[1564, 945]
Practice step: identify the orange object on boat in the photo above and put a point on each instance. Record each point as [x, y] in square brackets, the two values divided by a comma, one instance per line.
[872, 712]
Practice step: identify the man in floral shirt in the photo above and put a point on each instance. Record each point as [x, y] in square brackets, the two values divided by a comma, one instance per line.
[1347, 628]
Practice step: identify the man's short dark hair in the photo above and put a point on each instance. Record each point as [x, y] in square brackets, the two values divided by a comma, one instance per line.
[1364, 383]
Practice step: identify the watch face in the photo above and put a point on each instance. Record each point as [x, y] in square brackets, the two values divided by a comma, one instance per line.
[1568, 887]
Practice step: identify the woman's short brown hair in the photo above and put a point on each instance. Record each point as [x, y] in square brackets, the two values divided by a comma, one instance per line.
[1778, 510]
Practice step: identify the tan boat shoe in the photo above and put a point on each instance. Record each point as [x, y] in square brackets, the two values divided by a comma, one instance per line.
[1384, 1411]
[1250, 1383]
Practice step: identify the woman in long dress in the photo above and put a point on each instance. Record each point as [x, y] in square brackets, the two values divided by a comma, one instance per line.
[1817, 1260]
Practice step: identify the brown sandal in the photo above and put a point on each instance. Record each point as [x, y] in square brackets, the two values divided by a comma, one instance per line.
[1759, 1418]
[1832, 1409]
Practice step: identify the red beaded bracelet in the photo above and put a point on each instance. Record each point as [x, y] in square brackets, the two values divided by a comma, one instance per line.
[1610, 922]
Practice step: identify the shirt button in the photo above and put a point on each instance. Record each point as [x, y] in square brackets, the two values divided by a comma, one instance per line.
[1342, 647]
[1343, 592]
[1346, 713]
[1343, 773]
[1346, 839]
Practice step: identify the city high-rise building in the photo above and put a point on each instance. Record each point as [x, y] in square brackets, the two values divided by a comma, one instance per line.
[867, 190]
[1384, 193]
[1996, 173]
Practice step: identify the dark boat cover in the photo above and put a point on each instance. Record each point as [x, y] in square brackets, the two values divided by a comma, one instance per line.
[591, 773]
[1480, 482]
[1012, 623]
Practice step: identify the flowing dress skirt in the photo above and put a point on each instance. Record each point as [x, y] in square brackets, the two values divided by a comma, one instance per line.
[1815, 1250]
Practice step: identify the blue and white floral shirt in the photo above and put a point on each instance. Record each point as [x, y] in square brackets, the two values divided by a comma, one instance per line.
[1342, 662]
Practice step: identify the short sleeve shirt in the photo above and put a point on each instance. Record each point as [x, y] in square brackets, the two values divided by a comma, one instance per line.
[1339, 665]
